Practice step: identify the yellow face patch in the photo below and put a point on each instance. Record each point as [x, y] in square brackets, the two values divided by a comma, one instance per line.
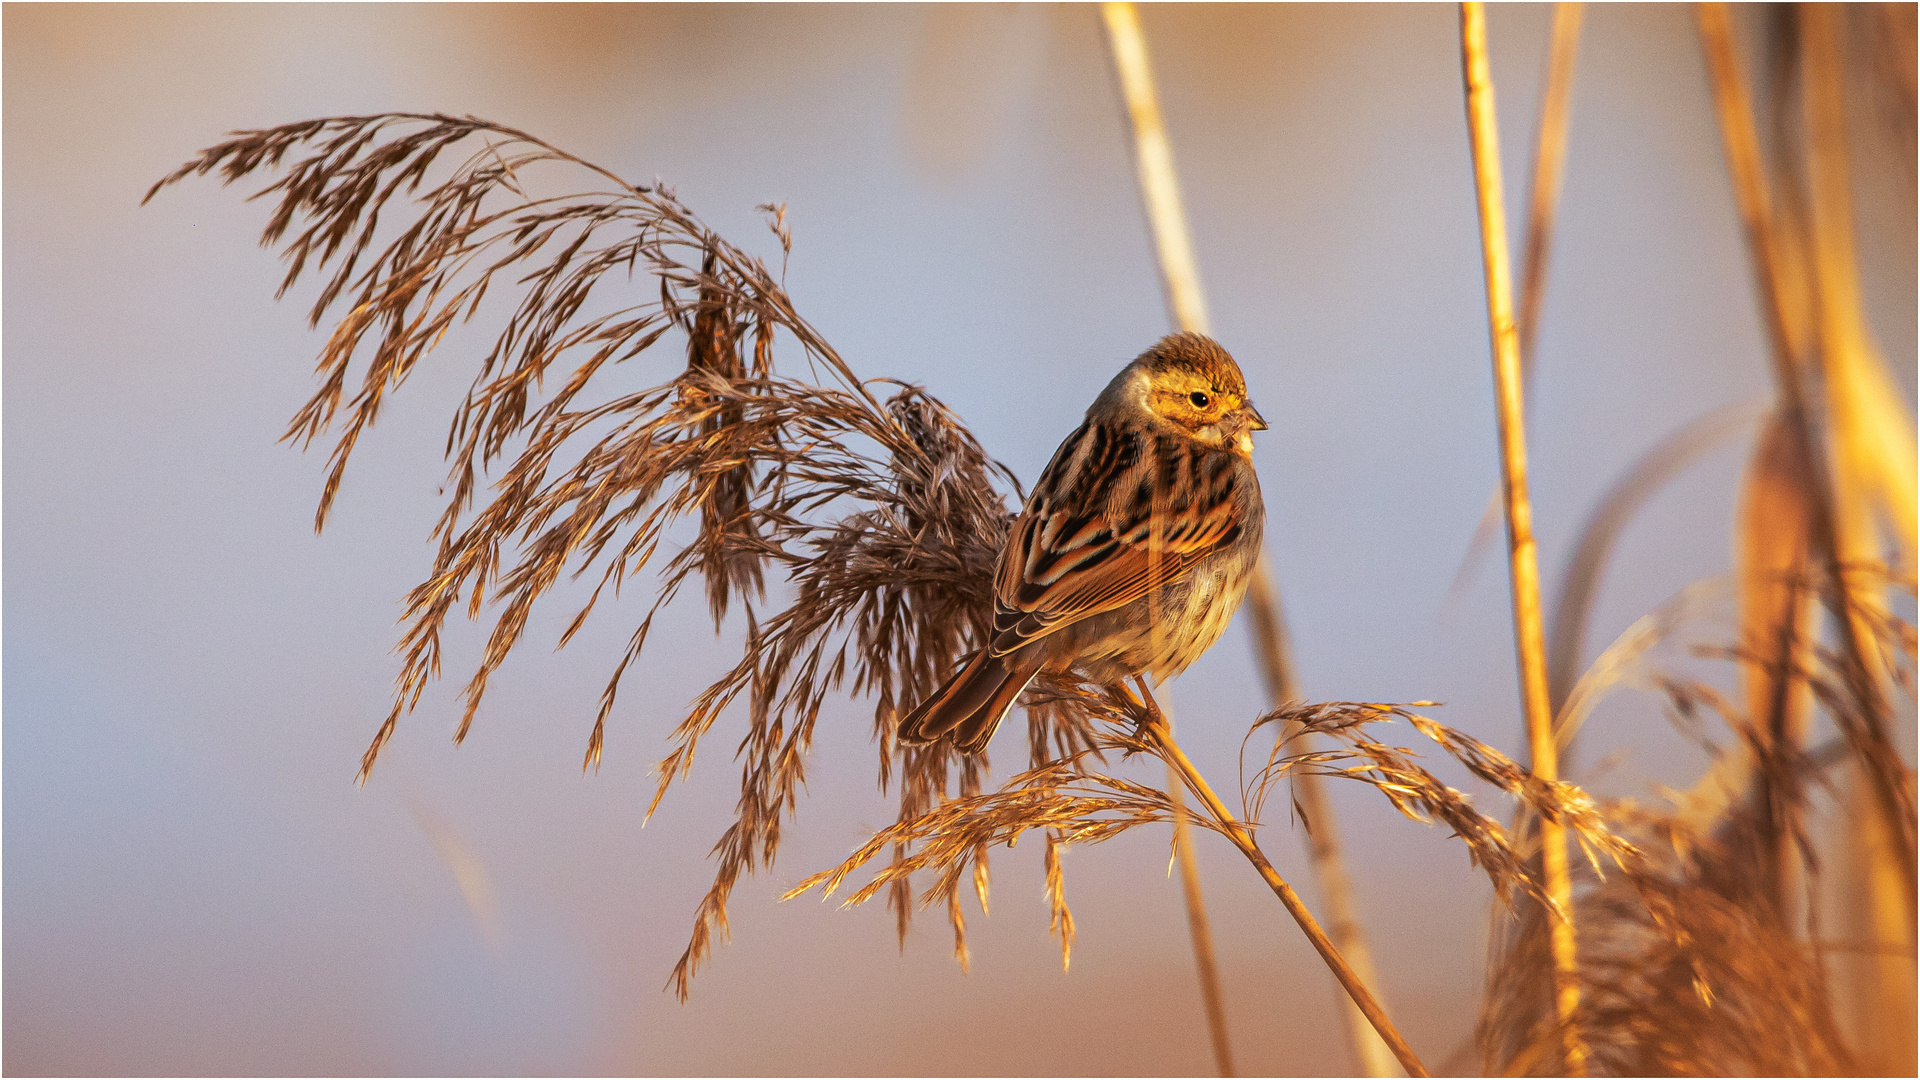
[1191, 400]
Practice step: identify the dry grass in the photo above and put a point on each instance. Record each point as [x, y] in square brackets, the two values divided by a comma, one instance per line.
[1859, 452]
[880, 515]
[1078, 799]
[1697, 960]
[1704, 957]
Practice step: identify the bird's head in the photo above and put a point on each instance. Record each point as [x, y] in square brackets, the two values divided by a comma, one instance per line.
[1192, 384]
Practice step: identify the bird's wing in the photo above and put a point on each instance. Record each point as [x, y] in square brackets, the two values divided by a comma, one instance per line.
[1094, 536]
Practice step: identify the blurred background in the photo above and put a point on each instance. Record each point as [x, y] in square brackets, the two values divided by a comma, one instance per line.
[193, 884]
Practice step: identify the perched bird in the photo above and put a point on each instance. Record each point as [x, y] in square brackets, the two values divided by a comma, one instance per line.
[1133, 550]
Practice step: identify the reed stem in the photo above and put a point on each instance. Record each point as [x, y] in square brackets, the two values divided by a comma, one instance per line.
[1153, 161]
[1523, 560]
[1186, 303]
[1200, 930]
[1549, 165]
[1159, 188]
[1549, 161]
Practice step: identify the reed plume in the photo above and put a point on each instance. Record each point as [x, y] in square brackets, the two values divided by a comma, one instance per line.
[881, 515]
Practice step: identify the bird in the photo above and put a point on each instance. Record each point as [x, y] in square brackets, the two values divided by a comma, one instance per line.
[1133, 551]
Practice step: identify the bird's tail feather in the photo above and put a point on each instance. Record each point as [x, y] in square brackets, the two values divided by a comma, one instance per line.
[970, 705]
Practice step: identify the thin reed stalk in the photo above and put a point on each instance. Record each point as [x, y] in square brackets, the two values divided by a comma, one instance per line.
[1160, 190]
[1783, 467]
[1778, 614]
[1153, 159]
[1186, 304]
[1200, 930]
[1844, 361]
[1323, 835]
[1523, 561]
[1549, 161]
[1838, 329]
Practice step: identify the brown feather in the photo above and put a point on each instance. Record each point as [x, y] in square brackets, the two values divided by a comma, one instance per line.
[971, 704]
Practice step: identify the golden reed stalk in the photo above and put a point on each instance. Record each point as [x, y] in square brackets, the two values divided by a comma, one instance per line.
[1161, 192]
[1845, 357]
[1198, 927]
[1549, 161]
[1186, 302]
[1153, 157]
[1523, 561]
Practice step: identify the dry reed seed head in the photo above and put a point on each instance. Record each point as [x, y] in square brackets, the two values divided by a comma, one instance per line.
[1066, 797]
[889, 555]
[1058, 726]
[728, 540]
[1419, 795]
[1689, 964]
[885, 594]
[1681, 972]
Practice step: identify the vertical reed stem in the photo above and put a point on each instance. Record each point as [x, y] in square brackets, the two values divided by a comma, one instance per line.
[1523, 563]
[1842, 338]
[1186, 303]
[1199, 930]
[1549, 160]
[1153, 158]
[1840, 333]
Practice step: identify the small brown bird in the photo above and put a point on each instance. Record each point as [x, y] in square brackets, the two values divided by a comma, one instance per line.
[1133, 550]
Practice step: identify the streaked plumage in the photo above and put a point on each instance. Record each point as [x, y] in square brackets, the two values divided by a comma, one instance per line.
[1157, 486]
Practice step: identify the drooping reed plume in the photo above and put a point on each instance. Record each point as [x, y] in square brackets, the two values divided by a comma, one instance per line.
[891, 581]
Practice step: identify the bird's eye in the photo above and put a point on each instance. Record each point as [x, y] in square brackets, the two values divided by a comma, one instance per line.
[1200, 399]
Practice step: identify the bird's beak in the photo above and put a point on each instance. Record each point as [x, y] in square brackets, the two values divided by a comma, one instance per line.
[1259, 422]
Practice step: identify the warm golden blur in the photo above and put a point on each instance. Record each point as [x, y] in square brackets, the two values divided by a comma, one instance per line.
[1719, 425]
